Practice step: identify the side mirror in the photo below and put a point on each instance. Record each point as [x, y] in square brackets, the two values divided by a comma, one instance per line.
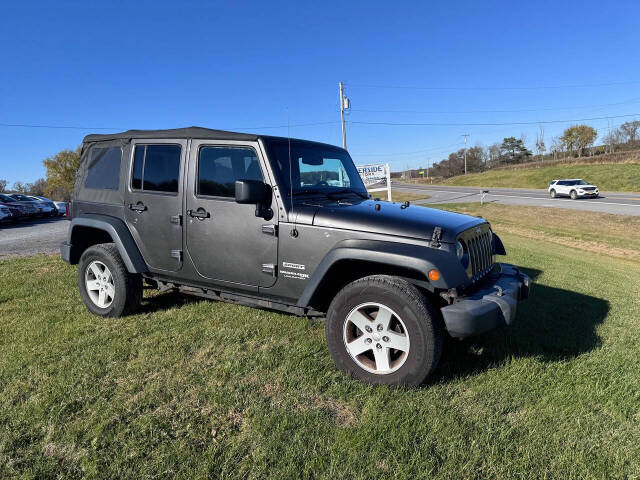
[252, 192]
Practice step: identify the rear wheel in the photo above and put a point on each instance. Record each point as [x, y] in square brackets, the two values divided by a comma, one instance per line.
[382, 329]
[573, 195]
[106, 287]
[553, 193]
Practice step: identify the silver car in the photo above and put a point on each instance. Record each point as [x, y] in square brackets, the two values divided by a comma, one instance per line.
[62, 207]
[48, 207]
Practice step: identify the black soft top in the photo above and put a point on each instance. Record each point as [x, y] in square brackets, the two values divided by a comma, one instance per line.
[188, 132]
[191, 132]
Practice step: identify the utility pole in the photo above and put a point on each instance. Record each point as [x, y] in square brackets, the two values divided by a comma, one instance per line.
[344, 105]
[465, 135]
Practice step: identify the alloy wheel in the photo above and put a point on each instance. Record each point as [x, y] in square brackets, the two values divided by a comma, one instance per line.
[99, 284]
[376, 338]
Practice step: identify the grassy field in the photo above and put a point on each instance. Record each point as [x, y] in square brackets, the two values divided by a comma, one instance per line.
[623, 177]
[197, 389]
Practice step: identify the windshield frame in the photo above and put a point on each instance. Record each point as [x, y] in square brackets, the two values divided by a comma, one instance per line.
[277, 149]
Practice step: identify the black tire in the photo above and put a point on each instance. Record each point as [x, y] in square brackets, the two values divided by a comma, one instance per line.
[127, 286]
[553, 193]
[423, 323]
[573, 195]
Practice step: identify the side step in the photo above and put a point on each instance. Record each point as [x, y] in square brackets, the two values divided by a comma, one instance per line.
[244, 300]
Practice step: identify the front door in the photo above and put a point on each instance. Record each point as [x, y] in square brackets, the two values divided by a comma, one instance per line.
[226, 241]
[153, 207]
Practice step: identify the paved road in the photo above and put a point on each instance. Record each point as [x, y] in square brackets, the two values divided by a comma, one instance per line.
[608, 202]
[29, 238]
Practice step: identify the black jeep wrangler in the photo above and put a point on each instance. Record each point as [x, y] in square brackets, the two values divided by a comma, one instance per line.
[284, 224]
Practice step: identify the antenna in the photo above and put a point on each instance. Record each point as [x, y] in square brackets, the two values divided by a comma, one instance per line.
[294, 231]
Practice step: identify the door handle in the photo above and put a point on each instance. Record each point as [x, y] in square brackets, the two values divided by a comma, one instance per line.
[138, 207]
[200, 214]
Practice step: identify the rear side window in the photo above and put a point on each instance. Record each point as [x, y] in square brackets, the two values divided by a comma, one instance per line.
[104, 168]
[220, 167]
[156, 168]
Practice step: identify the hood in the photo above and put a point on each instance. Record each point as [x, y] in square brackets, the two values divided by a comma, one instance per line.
[391, 219]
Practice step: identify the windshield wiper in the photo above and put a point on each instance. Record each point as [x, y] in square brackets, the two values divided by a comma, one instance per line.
[347, 190]
[308, 192]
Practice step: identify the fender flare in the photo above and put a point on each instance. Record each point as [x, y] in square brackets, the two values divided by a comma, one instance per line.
[418, 258]
[119, 233]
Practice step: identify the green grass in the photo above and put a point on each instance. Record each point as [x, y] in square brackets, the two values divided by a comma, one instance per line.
[197, 389]
[399, 196]
[622, 177]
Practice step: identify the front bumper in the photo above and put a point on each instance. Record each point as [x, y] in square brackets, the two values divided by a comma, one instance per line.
[493, 305]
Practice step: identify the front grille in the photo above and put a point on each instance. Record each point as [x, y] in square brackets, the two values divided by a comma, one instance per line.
[589, 189]
[479, 247]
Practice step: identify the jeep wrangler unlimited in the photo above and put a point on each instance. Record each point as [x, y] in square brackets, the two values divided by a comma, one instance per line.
[284, 224]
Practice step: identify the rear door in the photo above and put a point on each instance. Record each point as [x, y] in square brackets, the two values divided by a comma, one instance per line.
[226, 241]
[153, 205]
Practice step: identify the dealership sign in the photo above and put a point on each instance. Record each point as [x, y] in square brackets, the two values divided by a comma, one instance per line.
[376, 177]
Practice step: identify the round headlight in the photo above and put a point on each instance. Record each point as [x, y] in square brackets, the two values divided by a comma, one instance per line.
[459, 250]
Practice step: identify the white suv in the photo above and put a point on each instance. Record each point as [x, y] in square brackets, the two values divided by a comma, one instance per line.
[573, 188]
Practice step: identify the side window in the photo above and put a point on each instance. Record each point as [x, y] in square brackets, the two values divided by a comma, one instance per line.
[104, 168]
[220, 167]
[156, 168]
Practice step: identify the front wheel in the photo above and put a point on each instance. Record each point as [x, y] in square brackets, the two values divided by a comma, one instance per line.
[573, 195]
[382, 329]
[553, 193]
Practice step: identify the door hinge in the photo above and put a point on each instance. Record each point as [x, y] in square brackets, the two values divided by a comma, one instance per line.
[176, 219]
[269, 268]
[177, 254]
[270, 229]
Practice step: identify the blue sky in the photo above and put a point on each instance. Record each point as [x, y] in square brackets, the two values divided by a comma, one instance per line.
[251, 65]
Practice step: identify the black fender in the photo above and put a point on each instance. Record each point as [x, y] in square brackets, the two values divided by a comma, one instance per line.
[418, 258]
[498, 246]
[119, 233]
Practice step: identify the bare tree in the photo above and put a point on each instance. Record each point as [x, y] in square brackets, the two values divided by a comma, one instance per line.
[3, 185]
[540, 146]
[630, 130]
[556, 146]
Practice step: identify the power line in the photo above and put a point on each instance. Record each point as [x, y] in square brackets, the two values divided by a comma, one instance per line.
[75, 127]
[487, 124]
[406, 153]
[535, 87]
[544, 109]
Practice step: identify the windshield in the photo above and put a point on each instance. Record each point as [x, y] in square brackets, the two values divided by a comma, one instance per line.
[22, 198]
[6, 199]
[316, 168]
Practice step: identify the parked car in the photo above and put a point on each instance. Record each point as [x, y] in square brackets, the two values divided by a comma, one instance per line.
[573, 188]
[27, 200]
[5, 215]
[15, 211]
[226, 216]
[27, 209]
[48, 207]
[62, 207]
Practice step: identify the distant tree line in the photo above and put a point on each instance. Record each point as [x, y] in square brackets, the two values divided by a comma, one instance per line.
[59, 181]
[576, 141]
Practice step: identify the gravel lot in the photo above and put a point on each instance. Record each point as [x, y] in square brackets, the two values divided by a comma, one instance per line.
[30, 238]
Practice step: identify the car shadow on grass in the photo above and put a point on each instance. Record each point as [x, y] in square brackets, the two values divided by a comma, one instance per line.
[554, 324]
[164, 301]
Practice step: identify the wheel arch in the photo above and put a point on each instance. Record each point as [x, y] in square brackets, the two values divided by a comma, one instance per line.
[347, 263]
[90, 230]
